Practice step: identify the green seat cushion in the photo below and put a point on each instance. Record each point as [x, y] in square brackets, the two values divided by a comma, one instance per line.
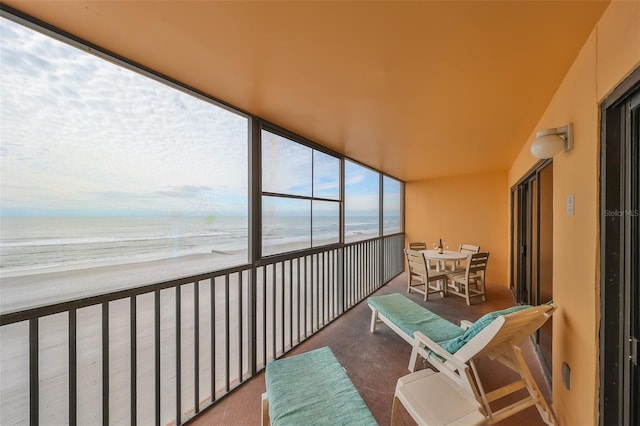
[313, 389]
[456, 343]
[408, 316]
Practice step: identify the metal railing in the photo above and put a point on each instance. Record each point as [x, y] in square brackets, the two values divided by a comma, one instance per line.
[161, 353]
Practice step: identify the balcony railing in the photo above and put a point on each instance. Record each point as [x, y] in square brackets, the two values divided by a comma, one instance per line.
[160, 353]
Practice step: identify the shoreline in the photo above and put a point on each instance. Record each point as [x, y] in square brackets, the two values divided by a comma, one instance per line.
[34, 289]
[41, 287]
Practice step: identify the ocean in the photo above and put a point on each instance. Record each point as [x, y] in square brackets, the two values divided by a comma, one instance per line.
[38, 244]
[44, 244]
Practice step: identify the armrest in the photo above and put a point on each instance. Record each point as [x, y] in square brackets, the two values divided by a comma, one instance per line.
[422, 340]
[464, 324]
[553, 308]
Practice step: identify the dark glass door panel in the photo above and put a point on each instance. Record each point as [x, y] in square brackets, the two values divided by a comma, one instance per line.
[545, 259]
[532, 248]
[620, 251]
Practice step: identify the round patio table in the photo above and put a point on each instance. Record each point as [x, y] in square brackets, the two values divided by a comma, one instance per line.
[451, 256]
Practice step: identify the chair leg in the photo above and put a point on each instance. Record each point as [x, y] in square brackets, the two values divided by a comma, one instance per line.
[414, 356]
[466, 293]
[426, 289]
[374, 320]
[264, 417]
[394, 410]
[534, 390]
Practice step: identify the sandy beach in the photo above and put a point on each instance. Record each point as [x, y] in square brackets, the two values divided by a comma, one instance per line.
[18, 292]
[55, 285]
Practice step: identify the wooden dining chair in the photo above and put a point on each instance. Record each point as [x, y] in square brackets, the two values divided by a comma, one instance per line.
[421, 278]
[418, 245]
[473, 275]
[465, 248]
[468, 248]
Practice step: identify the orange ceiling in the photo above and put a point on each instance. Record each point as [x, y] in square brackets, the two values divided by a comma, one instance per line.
[416, 89]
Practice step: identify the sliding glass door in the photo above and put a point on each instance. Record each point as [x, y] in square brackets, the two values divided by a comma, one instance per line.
[620, 251]
[532, 247]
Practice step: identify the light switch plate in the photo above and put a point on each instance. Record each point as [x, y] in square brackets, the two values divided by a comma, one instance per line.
[570, 205]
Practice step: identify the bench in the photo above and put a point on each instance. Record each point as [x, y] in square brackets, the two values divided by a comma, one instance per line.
[312, 388]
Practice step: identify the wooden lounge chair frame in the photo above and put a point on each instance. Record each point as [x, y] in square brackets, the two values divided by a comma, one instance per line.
[499, 340]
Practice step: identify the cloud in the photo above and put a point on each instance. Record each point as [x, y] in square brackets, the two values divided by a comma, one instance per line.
[80, 134]
[83, 131]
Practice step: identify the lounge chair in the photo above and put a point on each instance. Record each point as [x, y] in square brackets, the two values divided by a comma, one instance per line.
[495, 335]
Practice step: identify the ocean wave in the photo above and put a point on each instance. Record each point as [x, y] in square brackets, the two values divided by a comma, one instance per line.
[107, 240]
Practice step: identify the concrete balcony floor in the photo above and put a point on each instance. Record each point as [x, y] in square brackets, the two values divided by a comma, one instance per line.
[374, 362]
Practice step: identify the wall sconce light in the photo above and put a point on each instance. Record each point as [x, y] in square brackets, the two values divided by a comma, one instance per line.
[550, 142]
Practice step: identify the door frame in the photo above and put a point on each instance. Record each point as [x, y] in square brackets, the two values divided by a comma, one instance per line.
[616, 374]
[526, 223]
[516, 264]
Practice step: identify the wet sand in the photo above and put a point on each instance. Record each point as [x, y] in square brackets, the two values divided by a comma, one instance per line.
[47, 287]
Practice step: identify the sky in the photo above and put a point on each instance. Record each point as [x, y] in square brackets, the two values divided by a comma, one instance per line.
[82, 136]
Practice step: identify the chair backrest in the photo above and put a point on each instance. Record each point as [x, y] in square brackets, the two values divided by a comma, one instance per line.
[503, 332]
[476, 262]
[469, 248]
[417, 245]
[416, 261]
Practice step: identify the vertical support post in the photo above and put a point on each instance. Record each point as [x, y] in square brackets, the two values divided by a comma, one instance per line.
[34, 377]
[291, 304]
[105, 363]
[255, 240]
[226, 331]
[196, 344]
[134, 359]
[212, 294]
[264, 315]
[240, 329]
[73, 396]
[380, 245]
[157, 354]
[282, 299]
[178, 355]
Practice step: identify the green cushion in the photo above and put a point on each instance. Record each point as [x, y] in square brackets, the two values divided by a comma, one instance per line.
[456, 343]
[313, 389]
[408, 316]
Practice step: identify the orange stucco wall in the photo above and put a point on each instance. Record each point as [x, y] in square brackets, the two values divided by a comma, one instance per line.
[462, 209]
[610, 54]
